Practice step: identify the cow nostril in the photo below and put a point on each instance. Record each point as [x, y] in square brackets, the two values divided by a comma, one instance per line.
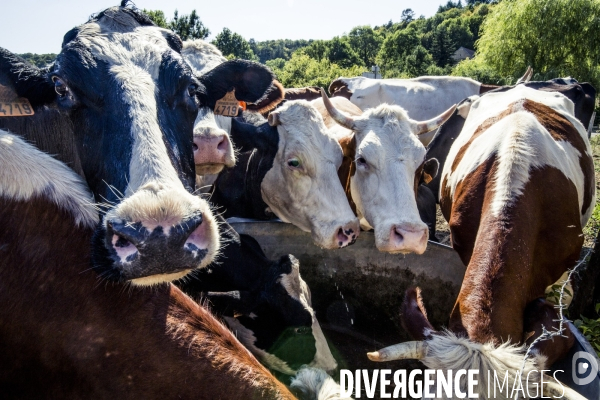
[342, 238]
[121, 242]
[222, 146]
[399, 236]
[194, 147]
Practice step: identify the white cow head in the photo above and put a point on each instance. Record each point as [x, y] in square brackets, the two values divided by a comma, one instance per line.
[389, 163]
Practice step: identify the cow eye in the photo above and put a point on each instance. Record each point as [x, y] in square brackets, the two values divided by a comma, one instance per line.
[192, 90]
[59, 87]
[294, 163]
[360, 161]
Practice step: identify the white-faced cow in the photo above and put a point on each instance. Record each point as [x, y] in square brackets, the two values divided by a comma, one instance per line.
[118, 106]
[66, 334]
[266, 304]
[517, 189]
[288, 168]
[212, 148]
[384, 163]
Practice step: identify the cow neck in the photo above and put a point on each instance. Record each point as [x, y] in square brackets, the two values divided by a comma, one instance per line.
[258, 164]
[348, 167]
[172, 332]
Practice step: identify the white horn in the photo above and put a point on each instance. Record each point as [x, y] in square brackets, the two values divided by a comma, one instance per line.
[526, 76]
[338, 116]
[553, 390]
[427, 126]
[401, 351]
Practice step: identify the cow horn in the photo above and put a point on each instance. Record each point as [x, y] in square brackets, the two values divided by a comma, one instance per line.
[427, 126]
[338, 116]
[551, 389]
[402, 351]
[526, 76]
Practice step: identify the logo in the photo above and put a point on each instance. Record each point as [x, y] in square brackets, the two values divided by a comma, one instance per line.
[584, 368]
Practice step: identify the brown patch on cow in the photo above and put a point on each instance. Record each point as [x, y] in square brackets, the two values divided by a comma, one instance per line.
[515, 255]
[561, 129]
[486, 88]
[418, 175]
[270, 101]
[306, 93]
[348, 167]
[413, 315]
[541, 312]
[339, 88]
[67, 334]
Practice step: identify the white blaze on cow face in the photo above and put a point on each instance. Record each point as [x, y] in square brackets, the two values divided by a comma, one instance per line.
[155, 199]
[303, 187]
[388, 154]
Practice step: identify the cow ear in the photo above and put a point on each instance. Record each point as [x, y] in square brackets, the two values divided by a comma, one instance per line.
[413, 315]
[274, 119]
[430, 169]
[250, 80]
[246, 137]
[23, 79]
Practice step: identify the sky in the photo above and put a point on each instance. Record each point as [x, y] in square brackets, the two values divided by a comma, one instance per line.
[38, 26]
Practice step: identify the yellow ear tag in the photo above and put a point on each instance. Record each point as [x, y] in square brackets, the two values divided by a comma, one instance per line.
[228, 105]
[13, 106]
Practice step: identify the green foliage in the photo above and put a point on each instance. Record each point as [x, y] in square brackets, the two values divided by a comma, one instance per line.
[272, 49]
[365, 42]
[478, 70]
[302, 70]
[233, 45]
[339, 52]
[555, 37]
[158, 17]
[39, 60]
[590, 328]
[186, 26]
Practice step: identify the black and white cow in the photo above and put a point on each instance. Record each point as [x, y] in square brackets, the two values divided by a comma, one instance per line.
[213, 150]
[118, 106]
[287, 168]
[265, 303]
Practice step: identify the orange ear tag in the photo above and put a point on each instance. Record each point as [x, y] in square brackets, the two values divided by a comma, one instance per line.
[242, 105]
[13, 106]
[228, 105]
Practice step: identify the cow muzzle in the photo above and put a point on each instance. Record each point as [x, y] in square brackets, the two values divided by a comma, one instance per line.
[212, 152]
[405, 238]
[156, 237]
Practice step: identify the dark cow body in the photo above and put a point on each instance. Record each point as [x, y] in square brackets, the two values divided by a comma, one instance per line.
[266, 299]
[66, 333]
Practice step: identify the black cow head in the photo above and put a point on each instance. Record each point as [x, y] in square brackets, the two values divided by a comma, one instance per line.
[122, 102]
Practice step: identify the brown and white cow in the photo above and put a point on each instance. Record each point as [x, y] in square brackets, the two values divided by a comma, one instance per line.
[517, 189]
[384, 162]
[66, 333]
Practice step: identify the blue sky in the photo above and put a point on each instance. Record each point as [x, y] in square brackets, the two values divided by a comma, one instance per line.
[37, 26]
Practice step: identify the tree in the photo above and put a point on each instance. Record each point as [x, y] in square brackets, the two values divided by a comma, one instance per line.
[417, 62]
[39, 60]
[233, 45]
[407, 16]
[395, 48]
[188, 26]
[339, 52]
[555, 37]
[365, 42]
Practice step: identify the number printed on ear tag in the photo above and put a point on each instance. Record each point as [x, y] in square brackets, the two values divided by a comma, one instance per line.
[13, 106]
[228, 105]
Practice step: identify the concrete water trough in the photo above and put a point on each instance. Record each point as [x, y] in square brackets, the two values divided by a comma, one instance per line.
[357, 292]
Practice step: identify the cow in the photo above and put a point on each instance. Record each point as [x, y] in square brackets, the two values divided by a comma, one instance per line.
[212, 148]
[287, 168]
[422, 98]
[512, 228]
[582, 95]
[266, 304]
[384, 165]
[66, 333]
[118, 106]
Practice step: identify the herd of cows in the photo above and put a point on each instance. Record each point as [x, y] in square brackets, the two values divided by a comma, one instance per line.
[103, 192]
